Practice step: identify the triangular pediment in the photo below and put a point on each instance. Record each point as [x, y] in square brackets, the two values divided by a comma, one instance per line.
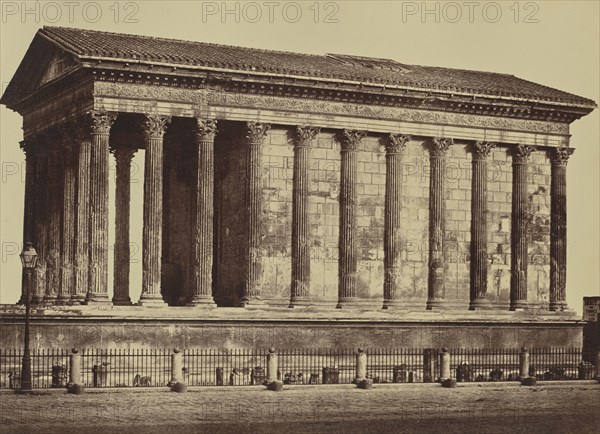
[43, 63]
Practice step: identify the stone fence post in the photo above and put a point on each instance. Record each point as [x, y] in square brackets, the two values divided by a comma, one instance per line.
[444, 364]
[272, 365]
[523, 363]
[75, 385]
[361, 365]
[176, 366]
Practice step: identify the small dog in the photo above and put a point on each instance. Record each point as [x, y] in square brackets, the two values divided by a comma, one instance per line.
[138, 380]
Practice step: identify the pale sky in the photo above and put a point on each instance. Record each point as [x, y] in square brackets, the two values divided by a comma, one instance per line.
[554, 43]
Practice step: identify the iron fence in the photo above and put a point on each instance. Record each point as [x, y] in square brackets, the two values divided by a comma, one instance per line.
[235, 367]
[485, 364]
[49, 368]
[317, 366]
[242, 367]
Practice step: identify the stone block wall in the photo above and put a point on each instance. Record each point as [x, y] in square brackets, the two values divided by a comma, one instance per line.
[324, 175]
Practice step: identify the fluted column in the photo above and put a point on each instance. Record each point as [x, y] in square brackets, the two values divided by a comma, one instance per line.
[67, 256]
[392, 237]
[348, 258]
[40, 226]
[437, 221]
[203, 217]
[518, 236]
[28, 149]
[123, 156]
[55, 194]
[300, 288]
[256, 133]
[479, 211]
[83, 146]
[154, 129]
[99, 162]
[558, 228]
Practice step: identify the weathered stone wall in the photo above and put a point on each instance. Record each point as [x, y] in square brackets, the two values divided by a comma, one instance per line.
[276, 225]
[117, 333]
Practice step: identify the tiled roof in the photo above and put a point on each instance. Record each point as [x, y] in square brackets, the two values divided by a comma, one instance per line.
[91, 44]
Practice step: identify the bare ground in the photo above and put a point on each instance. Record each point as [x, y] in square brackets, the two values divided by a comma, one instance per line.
[477, 408]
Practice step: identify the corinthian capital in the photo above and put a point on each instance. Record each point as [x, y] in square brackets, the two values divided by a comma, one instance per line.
[155, 126]
[351, 139]
[396, 143]
[305, 135]
[560, 156]
[481, 150]
[206, 129]
[522, 153]
[440, 145]
[256, 132]
[101, 121]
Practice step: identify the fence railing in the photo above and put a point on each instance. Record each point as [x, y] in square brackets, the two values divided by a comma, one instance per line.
[242, 367]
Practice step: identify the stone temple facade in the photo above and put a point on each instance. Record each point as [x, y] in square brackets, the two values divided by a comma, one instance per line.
[276, 179]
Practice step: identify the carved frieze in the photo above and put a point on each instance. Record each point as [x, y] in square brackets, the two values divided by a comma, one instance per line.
[215, 98]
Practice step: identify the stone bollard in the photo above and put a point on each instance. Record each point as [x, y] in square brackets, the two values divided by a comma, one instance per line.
[75, 385]
[361, 366]
[271, 365]
[444, 365]
[176, 383]
[523, 363]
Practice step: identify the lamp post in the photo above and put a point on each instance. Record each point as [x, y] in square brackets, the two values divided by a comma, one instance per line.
[28, 261]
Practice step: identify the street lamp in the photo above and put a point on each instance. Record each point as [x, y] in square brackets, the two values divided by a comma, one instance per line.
[28, 261]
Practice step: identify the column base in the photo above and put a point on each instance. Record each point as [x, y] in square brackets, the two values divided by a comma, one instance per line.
[77, 299]
[36, 299]
[49, 300]
[481, 305]
[155, 300]
[436, 304]
[97, 299]
[122, 301]
[252, 302]
[301, 302]
[349, 302]
[558, 306]
[206, 301]
[63, 299]
[519, 305]
[392, 304]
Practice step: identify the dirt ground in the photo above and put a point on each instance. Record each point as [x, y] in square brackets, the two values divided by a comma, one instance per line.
[476, 408]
